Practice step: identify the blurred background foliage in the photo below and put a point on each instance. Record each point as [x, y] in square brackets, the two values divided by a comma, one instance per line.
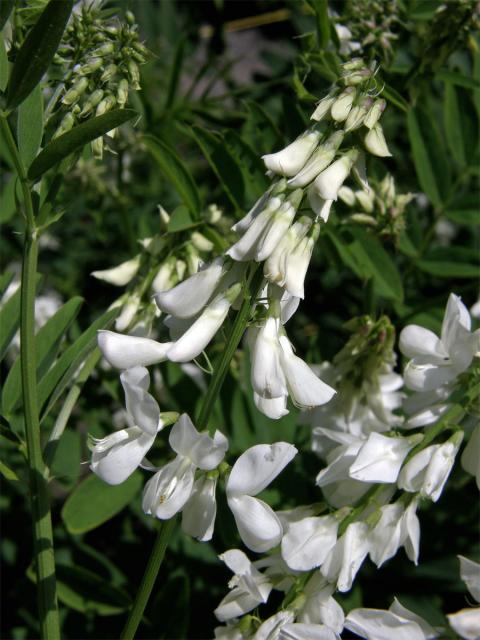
[226, 82]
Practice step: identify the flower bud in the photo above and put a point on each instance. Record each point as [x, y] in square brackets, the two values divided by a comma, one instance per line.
[366, 200]
[347, 196]
[164, 216]
[91, 65]
[180, 268]
[105, 105]
[97, 148]
[104, 50]
[322, 109]
[91, 102]
[375, 142]
[319, 160]
[330, 180]
[122, 92]
[108, 73]
[141, 48]
[374, 113]
[75, 92]
[357, 115]
[200, 242]
[357, 77]
[343, 104]
[134, 74]
[129, 17]
[65, 125]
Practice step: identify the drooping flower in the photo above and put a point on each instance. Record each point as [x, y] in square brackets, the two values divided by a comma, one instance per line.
[398, 623]
[307, 542]
[116, 457]
[327, 184]
[437, 361]
[346, 557]
[198, 514]
[124, 352]
[166, 493]
[258, 525]
[121, 274]
[249, 587]
[292, 158]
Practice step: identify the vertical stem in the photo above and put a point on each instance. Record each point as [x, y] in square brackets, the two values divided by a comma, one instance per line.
[166, 530]
[41, 516]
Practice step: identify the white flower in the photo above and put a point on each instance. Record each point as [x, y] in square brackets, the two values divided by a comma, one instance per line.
[307, 542]
[347, 556]
[374, 113]
[378, 624]
[320, 206]
[343, 104]
[291, 159]
[329, 181]
[319, 160]
[323, 108]
[470, 459]
[249, 587]
[189, 297]
[466, 623]
[319, 606]
[128, 312]
[198, 514]
[375, 142]
[436, 361]
[116, 457]
[166, 276]
[194, 340]
[270, 629]
[428, 471]
[124, 352]
[301, 631]
[166, 493]
[397, 526]
[259, 527]
[276, 265]
[121, 274]
[380, 458]
[470, 574]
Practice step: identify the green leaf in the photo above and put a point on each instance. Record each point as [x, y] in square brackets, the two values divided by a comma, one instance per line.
[94, 502]
[453, 125]
[323, 22]
[364, 254]
[468, 217]
[452, 77]
[47, 342]
[30, 126]
[176, 172]
[428, 155]
[8, 473]
[172, 616]
[60, 375]
[180, 220]
[3, 63]
[37, 51]
[10, 320]
[5, 279]
[175, 71]
[443, 269]
[250, 163]
[222, 163]
[84, 591]
[65, 467]
[6, 7]
[75, 139]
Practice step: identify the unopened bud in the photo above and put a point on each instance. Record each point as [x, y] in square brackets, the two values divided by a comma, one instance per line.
[75, 92]
[192, 258]
[366, 200]
[357, 77]
[374, 113]
[322, 109]
[65, 125]
[104, 50]
[92, 102]
[343, 104]
[130, 18]
[97, 148]
[213, 214]
[375, 142]
[357, 115]
[122, 92]
[362, 218]
[164, 216]
[353, 65]
[180, 267]
[105, 105]
[91, 65]
[347, 196]
[134, 74]
[108, 73]
[200, 242]
[141, 48]
[295, 198]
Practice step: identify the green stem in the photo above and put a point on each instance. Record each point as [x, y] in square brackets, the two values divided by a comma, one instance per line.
[149, 577]
[167, 527]
[42, 521]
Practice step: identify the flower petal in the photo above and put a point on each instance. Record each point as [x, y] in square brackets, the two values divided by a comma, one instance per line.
[417, 341]
[273, 408]
[267, 377]
[377, 624]
[198, 515]
[124, 352]
[205, 452]
[117, 456]
[259, 527]
[190, 296]
[308, 542]
[140, 404]
[380, 459]
[168, 490]
[257, 467]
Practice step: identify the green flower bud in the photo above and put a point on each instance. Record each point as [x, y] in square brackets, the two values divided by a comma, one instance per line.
[134, 74]
[65, 125]
[104, 49]
[90, 66]
[75, 92]
[105, 105]
[130, 18]
[122, 92]
[111, 30]
[141, 49]
[92, 102]
[108, 73]
[97, 148]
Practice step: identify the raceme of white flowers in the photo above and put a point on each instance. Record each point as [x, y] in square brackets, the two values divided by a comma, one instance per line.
[369, 434]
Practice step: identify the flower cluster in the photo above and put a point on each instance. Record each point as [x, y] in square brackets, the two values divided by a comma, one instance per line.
[97, 65]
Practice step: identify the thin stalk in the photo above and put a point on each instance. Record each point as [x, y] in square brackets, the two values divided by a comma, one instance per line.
[41, 516]
[167, 527]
